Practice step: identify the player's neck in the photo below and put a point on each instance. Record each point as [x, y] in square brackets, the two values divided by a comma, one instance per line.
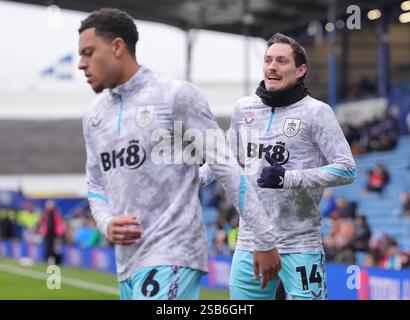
[129, 70]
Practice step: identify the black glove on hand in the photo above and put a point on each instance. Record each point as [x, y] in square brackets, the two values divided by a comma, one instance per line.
[272, 176]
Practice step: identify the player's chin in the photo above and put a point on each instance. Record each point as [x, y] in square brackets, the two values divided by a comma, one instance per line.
[97, 88]
[273, 87]
[126, 243]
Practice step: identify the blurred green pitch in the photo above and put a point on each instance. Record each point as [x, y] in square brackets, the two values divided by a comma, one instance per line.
[19, 282]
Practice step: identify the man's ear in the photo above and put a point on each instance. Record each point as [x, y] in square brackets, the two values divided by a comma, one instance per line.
[118, 47]
[302, 69]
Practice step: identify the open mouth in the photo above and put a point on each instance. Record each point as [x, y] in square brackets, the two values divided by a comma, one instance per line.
[274, 78]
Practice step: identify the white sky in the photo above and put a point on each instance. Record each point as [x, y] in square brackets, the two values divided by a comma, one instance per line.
[32, 39]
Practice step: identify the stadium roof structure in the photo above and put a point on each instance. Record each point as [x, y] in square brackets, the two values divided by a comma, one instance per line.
[259, 18]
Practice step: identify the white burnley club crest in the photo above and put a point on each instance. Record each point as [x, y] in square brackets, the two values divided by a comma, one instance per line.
[291, 127]
[145, 115]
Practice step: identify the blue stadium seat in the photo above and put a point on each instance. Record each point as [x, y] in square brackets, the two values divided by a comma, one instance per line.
[210, 215]
[210, 235]
[381, 211]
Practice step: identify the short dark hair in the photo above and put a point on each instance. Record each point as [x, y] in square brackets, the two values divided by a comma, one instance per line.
[299, 53]
[111, 23]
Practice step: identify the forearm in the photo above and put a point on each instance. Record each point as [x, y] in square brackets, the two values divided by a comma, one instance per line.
[100, 211]
[328, 176]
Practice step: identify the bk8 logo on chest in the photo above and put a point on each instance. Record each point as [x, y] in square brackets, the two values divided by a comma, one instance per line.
[277, 152]
[131, 157]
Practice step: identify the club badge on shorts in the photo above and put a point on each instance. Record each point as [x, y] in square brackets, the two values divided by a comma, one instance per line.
[145, 115]
[291, 127]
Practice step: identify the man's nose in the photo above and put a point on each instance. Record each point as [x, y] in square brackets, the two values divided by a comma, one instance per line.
[273, 65]
[82, 65]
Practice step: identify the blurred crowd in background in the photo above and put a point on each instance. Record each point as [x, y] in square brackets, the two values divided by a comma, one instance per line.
[351, 240]
[381, 134]
[47, 225]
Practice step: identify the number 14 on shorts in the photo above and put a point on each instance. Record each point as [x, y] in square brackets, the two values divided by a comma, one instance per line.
[314, 276]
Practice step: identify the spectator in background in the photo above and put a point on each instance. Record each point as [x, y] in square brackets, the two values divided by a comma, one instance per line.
[389, 130]
[338, 244]
[76, 220]
[233, 232]
[87, 236]
[344, 209]
[328, 203]
[345, 253]
[373, 259]
[405, 202]
[375, 182]
[405, 259]
[6, 224]
[28, 218]
[220, 246]
[222, 223]
[392, 258]
[384, 253]
[361, 238]
[352, 135]
[51, 228]
[377, 179]
[385, 173]
[377, 135]
[384, 133]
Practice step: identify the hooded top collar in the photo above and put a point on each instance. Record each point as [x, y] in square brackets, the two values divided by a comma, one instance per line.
[282, 98]
[135, 83]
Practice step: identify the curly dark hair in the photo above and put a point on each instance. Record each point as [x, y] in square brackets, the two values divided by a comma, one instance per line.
[111, 23]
